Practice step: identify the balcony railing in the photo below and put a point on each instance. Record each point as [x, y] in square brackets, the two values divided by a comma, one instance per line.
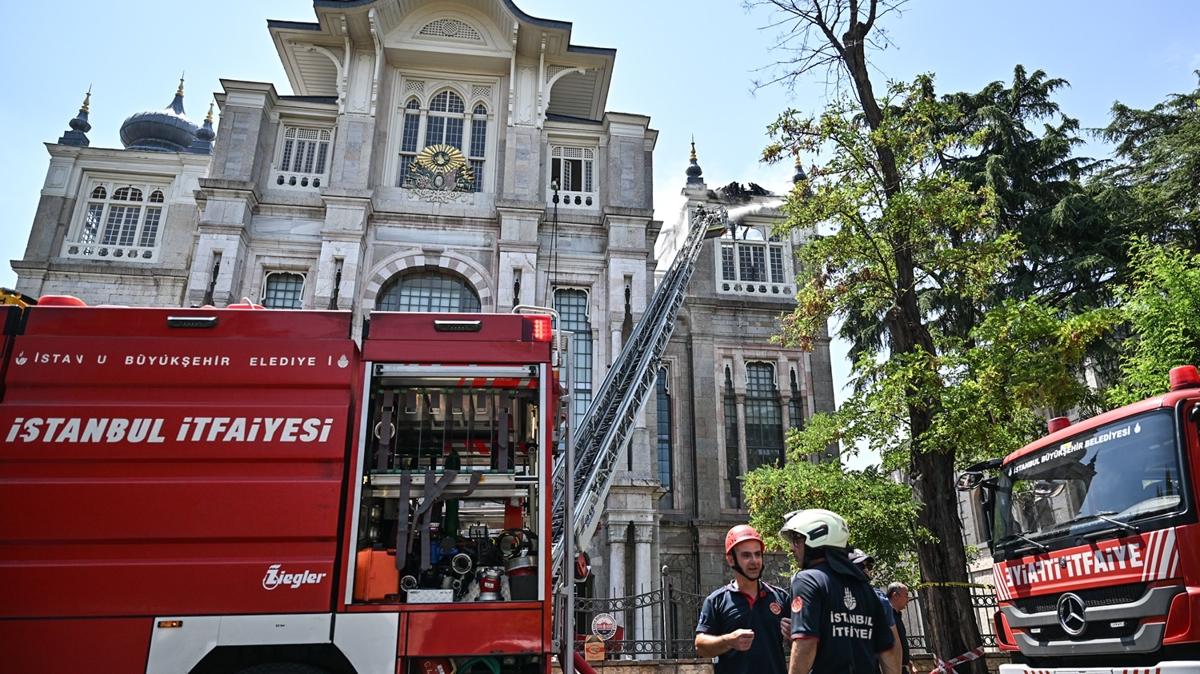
[307, 182]
[96, 251]
[574, 199]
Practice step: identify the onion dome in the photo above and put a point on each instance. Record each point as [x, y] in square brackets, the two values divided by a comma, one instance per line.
[694, 172]
[79, 125]
[205, 136]
[799, 176]
[167, 130]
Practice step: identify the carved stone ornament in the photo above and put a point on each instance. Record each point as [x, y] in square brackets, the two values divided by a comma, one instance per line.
[440, 173]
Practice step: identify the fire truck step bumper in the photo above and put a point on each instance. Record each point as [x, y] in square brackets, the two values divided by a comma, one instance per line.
[1190, 667]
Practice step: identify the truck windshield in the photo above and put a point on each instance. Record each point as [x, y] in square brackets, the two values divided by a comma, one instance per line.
[1109, 477]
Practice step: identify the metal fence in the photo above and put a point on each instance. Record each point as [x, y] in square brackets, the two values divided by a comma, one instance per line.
[983, 601]
[661, 623]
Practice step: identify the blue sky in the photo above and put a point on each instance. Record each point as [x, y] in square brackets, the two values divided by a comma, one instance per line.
[687, 65]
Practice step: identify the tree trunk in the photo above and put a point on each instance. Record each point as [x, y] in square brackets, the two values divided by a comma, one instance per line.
[952, 629]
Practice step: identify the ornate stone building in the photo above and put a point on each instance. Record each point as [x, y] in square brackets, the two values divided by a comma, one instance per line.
[415, 168]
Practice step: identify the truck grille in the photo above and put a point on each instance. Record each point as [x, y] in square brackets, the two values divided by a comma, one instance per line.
[1104, 596]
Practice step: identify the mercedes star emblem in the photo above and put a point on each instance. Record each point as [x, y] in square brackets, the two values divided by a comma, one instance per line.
[1070, 614]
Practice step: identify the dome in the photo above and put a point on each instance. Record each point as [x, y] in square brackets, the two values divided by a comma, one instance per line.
[166, 130]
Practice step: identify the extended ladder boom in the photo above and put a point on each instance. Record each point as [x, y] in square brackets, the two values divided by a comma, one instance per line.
[607, 426]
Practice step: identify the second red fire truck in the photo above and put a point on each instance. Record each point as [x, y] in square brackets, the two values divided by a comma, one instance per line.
[1096, 542]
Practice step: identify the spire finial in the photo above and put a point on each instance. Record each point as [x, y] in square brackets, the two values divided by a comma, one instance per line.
[87, 101]
[209, 117]
[694, 173]
[179, 91]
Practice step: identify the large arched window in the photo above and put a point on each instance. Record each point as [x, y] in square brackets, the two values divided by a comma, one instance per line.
[764, 430]
[428, 290]
[446, 120]
[446, 117]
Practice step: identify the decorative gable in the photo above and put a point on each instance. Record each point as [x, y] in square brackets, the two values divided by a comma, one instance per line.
[451, 29]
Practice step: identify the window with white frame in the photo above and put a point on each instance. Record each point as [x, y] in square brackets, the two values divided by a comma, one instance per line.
[409, 135]
[119, 221]
[283, 290]
[303, 158]
[750, 257]
[573, 170]
[478, 150]
[445, 121]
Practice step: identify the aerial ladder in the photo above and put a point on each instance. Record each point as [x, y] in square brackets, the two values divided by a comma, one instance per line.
[605, 430]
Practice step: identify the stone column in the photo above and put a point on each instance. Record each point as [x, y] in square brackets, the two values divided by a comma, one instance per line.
[616, 559]
[643, 538]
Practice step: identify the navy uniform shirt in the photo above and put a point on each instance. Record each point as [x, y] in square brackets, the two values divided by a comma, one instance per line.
[727, 609]
[846, 615]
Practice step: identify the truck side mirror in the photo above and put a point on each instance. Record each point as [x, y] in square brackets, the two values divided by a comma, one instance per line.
[969, 480]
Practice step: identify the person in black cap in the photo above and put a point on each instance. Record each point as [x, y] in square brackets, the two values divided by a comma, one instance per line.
[838, 623]
[866, 564]
[743, 624]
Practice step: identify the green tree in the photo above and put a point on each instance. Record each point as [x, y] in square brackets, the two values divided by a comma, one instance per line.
[1161, 307]
[932, 398]
[1156, 171]
[1017, 142]
[881, 513]
[893, 233]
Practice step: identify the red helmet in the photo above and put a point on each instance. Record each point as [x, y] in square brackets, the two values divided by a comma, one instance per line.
[740, 533]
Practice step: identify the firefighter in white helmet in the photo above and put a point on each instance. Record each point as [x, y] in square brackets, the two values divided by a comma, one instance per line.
[838, 624]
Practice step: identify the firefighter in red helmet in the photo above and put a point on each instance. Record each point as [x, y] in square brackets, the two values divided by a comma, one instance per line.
[743, 624]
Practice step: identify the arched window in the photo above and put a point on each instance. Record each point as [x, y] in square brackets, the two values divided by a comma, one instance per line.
[747, 254]
[118, 218]
[446, 121]
[428, 290]
[409, 135]
[478, 144]
[733, 452]
[446, 117]
[665, 428]
[283, 290]
[764, 429]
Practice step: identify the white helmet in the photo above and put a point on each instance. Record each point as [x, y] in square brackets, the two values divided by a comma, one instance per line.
[820, 528]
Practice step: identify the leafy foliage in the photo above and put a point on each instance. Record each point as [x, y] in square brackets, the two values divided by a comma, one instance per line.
[1156, 173]
[1161, 308]
[881, 513]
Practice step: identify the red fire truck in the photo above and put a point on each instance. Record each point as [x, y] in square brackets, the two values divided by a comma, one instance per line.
[235, 490]
[1096, 542]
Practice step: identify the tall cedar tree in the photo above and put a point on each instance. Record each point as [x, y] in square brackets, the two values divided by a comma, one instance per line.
[1156, 172]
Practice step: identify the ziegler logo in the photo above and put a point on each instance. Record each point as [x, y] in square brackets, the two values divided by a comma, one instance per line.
[276, 577]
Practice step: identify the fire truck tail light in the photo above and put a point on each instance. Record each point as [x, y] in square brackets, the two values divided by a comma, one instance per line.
[60, 301]
[1057, 424]
[542, 331]
[169, 624]
[1184, 376]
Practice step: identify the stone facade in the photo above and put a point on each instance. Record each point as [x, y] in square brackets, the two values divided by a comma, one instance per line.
[307, 201]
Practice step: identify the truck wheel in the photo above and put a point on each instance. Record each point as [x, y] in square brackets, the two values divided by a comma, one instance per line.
[282, 668]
